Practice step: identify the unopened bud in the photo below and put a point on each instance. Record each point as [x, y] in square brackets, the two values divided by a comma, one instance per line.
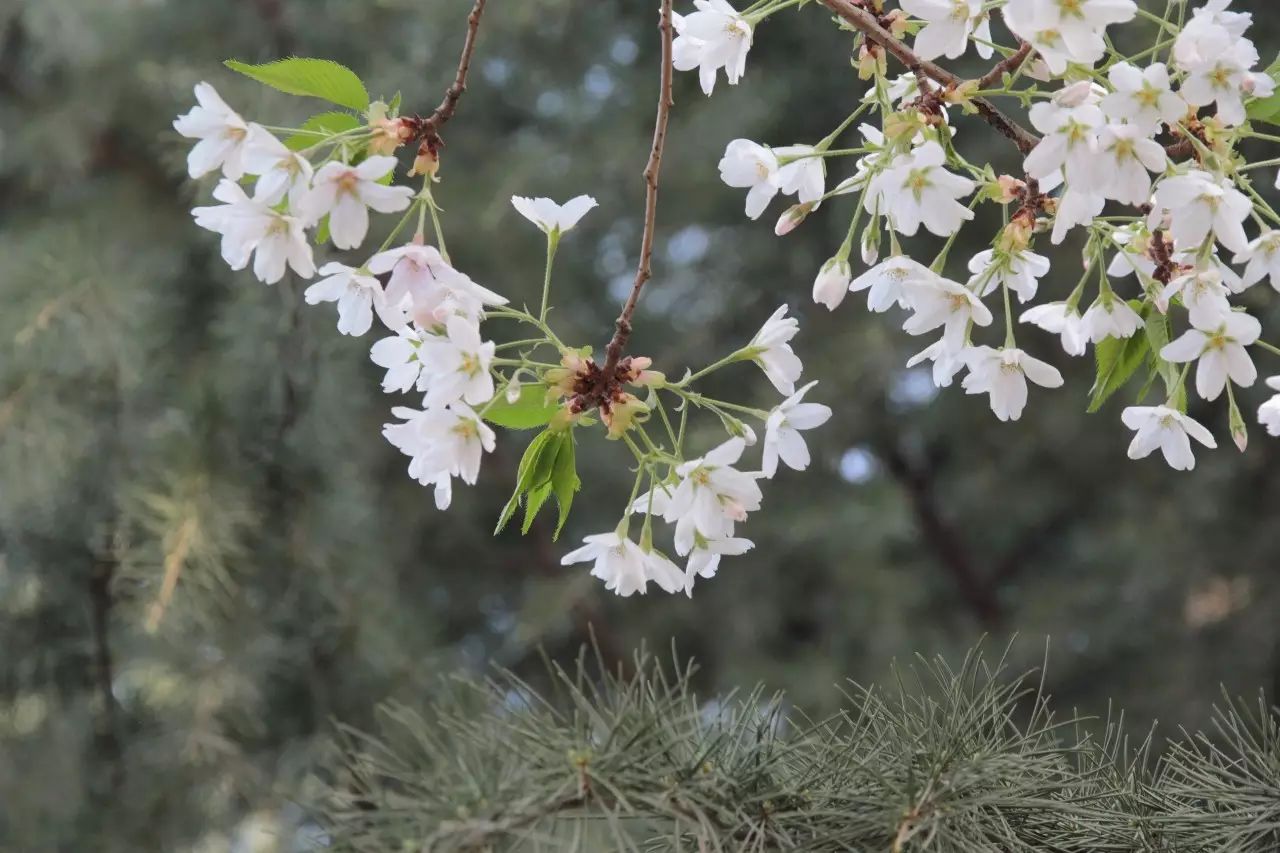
[870, 245]
[513, 391]
[871, 61]
[792, 217]
[832, 283]
[897, 22]
[1016, 236]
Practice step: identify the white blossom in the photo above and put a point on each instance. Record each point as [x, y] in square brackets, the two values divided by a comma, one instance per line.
[754, 167]
[442, 443]
[222, 134]
[1203, 295]
[711, 496]
[1003, 374]
[713, 37]
[947, 362]
[1070, 123]
[770, 349]
[892, 281]
[1142, 97]
[1064, 31]
[1220, 350]
[1020, 271]
[1109, 317]
[358, 295]
[399, 355]
[1062, 319]
[918, 189]
[704, 557]
[1262, 259]
[551, 217]
[1200, 204]
[346, 194]
[624, 567]
[1125, 155]
[1167, 429]
[782, 439]
[280, 172]
[947, 304]
[456, 365]
[948, 27]
[802, 172]
[250, 228]
[435, 289]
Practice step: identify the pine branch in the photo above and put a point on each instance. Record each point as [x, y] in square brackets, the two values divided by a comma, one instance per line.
[947, 760]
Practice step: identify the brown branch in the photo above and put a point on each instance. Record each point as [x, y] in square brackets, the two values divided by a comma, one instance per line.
[429, 130]
[652, 169]
[1005, 66]
[867, 23]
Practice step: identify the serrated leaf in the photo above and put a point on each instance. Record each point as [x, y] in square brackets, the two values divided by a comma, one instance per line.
[564, 481]
[330, 124]
[537, 498]
[1118, 359]
[315, 78]
[527, 473]
[530, 410]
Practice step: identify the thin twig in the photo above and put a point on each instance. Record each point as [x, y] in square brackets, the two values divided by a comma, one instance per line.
[1007, 65]
[448, 106]
[652, 169]
[866, 23]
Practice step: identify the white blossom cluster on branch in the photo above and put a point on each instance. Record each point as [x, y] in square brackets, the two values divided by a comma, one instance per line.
[1135, 153]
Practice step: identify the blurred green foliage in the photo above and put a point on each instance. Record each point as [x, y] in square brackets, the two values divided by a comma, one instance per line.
[207, 551]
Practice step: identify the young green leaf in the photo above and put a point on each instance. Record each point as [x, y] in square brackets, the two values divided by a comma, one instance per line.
[530, 410]
[532, 467]
[330, 124]
[315, 78]
[564, 480]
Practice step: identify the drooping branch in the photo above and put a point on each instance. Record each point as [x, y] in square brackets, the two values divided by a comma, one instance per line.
[652, 170]
[865, 22]
[429, 128]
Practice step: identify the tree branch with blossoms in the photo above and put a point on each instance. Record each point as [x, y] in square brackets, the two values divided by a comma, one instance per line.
[1137, 152]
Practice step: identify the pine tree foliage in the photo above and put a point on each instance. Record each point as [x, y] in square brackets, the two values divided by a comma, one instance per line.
[954, 760]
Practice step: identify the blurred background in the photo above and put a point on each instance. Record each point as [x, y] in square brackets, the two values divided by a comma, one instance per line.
[208, 552]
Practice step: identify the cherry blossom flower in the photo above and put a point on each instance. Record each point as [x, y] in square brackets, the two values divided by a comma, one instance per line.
[1109, 317]
[1142, 97]
[704, 557]
[456, 366]
[1059, 318]
[892, 281]
[250, 228]
[1203, 295]
[1075, 207]
[1167, 429]
[801, 173]
[947, 362]
[399, 355]
[712, 495]
[1262, 259]
[1070, 123]
[1269, 412]
[770, 350]
[347, 193]
[1217, 59]
[754, 167]
[420, 274]
[1003, 374]
[623, 566]
[1220, 349]
[554, 219]
[782, 439]
[1064, 31]
[948, 27]
[358, 295]
[713, 37]
[945, 303]
[832, 284]
[222, 134]
[1125, 155]
[1020, 271]
[918, 189]
[443, 443]
[1200, 204]
[280, 172]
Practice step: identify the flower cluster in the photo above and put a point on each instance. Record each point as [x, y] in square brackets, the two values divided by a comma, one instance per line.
[1139, 153]
[282, 199]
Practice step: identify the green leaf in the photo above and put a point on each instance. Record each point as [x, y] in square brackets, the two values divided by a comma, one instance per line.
[315, 78]
[1118, 359]
[537, 498]
[530, 410]
[531, 465]
[330, 124]
[564, 480]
